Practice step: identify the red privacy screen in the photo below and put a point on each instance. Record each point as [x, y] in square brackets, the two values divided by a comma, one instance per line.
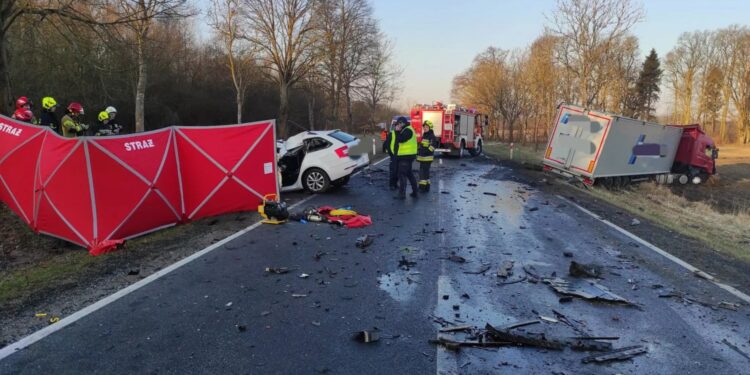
[98, 191]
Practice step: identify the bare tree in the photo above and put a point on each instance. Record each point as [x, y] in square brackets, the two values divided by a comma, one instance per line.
[225, 20]
[380, 85]
[542, 80]
[283, 31]
[683, 65]
[141, 15]
[589, 33]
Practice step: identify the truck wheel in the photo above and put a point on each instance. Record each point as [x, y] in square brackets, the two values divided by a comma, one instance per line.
[683, 179]
[477, 150]
[316, 180]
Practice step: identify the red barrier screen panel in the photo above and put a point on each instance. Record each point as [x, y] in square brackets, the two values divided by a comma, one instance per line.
[96, 192]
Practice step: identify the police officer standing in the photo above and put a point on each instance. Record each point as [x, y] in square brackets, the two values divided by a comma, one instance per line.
[389, 145]
[425, 155]
[405, 148]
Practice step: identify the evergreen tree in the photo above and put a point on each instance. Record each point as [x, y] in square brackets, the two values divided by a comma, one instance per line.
[647, 88]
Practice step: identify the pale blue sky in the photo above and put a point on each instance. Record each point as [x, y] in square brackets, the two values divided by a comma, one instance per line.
[436, 40]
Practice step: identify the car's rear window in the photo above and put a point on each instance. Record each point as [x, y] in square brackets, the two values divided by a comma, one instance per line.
[341, 136]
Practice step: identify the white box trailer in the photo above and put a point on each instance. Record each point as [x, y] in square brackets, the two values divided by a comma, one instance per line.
[591, 145]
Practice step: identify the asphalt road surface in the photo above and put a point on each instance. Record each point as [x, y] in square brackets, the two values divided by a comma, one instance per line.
[222, 313]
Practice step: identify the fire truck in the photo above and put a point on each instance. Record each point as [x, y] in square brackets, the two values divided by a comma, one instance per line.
[459, 129]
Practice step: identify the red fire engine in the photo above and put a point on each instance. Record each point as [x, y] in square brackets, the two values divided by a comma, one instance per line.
[458, 129]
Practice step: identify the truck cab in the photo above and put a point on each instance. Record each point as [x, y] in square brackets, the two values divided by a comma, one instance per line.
[696, 154]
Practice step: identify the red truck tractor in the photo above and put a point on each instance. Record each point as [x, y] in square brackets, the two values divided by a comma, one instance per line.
[459, 129]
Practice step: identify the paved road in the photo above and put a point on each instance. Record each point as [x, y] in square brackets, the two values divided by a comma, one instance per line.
[187, 321]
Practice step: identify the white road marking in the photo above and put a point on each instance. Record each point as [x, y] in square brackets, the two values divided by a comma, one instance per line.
[72, 318]
[667, 255]
[445, 360]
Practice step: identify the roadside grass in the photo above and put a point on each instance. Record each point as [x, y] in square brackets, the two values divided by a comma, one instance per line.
[728, 233]
[724, 232]
[59, 269]
[524, 154]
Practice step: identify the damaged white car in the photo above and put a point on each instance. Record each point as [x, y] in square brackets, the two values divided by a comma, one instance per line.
[318, 160]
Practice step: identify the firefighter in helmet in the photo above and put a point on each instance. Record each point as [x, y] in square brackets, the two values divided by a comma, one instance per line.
[71, 122]
[23, 110]
[113, 125]
[48, 116]
[102, 124]
[405, 149]
[425, 155]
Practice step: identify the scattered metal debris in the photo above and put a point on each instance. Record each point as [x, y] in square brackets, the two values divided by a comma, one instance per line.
[736, 349]
[277, 270]
[531, 273]
[406, 264]
[506, 269]
[488, 193]
[729, 305]
[303, 276]
[532, 209]
[367, 336]
[480, 271]
[567, 254]
[635, 222]
[365, 241]
[585, 270]
[617, 354]
[526, 339]
[456, 329]
[456, 259]
[241, 328]
[703, 275]
[584, 289]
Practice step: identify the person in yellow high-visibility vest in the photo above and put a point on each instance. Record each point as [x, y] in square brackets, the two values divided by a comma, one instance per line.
[425, 155]
[405, 149]
[389, 145]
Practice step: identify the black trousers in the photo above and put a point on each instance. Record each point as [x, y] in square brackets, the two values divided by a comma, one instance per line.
[393, 172]
[405, 173]
[424, 175]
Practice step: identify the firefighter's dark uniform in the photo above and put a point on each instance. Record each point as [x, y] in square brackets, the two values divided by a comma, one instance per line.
[425, 156]
[390, 147]
[49, 118]
[406, 151]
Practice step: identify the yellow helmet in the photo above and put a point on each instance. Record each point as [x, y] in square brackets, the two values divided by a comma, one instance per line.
[48, 102]
[103, 115]
[427, 124]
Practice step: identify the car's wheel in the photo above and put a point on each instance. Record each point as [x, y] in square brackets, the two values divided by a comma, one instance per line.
[477, 150]
[316, 180]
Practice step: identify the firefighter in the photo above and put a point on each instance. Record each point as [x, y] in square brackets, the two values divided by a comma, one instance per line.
[113, 125]
[70, 123]
[102, 124]
[23, 110]
[405, 148]
[48, 116]
[390, 144]
[425, 155]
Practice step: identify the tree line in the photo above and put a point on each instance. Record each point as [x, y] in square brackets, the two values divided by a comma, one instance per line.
[311, 64]
[587, 55]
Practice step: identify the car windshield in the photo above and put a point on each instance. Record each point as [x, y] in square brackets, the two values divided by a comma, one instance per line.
[341, 136]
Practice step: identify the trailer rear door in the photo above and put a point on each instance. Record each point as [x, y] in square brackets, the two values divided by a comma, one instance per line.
[576, 140]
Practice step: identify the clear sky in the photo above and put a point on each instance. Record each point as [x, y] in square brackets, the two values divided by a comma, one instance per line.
[437, 39]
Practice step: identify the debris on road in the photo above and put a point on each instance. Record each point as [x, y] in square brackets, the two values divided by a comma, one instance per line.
[506, 269]
[456, 258]
[315, 323]
[527, 339]
[303, 276]
[456, 329]
[241, 328]
[565, 299]
[299, 295]
[40, 315]
[364, 241]
[406, 264]
[277, 270]
[532, 209]
[367, 337]
[584, 289]
[729, 305]
[567, 254]
[703, 275]
[635, 222]
[585, 270]
[735, 348]
[480, 271]
[548, 319]
[54, 319]
[617, 354]
[134, 272]
[488, 193]
[531, 273]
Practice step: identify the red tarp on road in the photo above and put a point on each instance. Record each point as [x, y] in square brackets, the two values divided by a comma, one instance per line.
[98, 191]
